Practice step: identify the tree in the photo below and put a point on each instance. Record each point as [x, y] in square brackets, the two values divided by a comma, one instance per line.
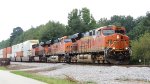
[16, 32]
[142, 26]
[141, 48]
[87, 20]
[52, 29]
[4, 44]
[74, 21]
[103, 22]
[126, 21]
[92, 23]
[80, 21]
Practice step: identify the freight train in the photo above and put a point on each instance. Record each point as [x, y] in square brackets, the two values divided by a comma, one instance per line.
[107, 44]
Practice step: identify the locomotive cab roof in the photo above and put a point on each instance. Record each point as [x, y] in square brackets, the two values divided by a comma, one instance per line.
[111, 29]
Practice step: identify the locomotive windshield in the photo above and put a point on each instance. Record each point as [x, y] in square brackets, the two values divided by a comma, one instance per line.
[120, 31]
[108, 32]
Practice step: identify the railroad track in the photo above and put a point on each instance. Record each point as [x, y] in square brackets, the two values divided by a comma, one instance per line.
[91, 64]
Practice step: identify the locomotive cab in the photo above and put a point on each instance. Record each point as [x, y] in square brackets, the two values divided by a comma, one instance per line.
[116, 44]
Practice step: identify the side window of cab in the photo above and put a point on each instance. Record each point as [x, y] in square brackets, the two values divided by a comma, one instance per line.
[93, 32]
[99, 32]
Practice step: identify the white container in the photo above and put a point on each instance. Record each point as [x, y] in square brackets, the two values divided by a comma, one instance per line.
[19, 47]
[27, 53]
[14, 48]
[33, 52]
[27, 47]
[13, 55]
[9, 55]
[1, 53]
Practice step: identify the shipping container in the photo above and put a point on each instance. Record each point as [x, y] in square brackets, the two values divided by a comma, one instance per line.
[13, 55]
[19, 50]
[14, 48]
[1, 53]
[9, 50]
[27, 47]
[27, 53]
[8, 55]
[5, 53]
[19, 54]
[19, 47]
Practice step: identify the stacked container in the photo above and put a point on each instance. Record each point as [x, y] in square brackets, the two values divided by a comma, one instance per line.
[13, 55]
[5, 53]
[4, 59]
[9, 52]
[19, 51]
[1, 53]
[27, 49]
[14, 47]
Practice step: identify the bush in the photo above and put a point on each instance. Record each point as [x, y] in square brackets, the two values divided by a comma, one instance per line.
[141, 49]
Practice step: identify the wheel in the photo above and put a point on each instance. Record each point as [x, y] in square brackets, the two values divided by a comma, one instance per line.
[68, 58]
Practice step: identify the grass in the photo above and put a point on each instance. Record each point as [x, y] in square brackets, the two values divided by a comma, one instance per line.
[90, 82]
[2, 68]
[45, 79]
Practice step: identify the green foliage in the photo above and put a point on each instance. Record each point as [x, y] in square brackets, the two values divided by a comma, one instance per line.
[80, 21]
[103, 22]
[142, 26]
[15, 34]
[74, 22]
[42, 33]
[51, 30]
[141, 48]
[5, 43]
[45, 79]
[126, 21]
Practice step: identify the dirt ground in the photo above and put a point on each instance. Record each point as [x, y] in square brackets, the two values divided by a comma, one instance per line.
[88, 74]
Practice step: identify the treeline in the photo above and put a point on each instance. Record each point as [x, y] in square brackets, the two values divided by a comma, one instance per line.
[81, 21]
[141, 49]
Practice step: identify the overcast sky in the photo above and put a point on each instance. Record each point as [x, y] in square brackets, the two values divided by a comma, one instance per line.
[27, 13]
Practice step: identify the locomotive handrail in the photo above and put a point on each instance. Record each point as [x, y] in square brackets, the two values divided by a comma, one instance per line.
[105, 51]
[130, 51]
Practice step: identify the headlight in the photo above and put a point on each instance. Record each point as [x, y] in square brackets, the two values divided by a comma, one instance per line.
[114, 48]
[126, 48]
[117, 36]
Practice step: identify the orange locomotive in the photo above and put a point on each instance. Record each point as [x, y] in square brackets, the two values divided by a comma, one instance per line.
[53, 50]
[108, 44]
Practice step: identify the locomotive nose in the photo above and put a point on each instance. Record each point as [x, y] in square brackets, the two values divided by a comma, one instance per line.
[119, 42]
[119, 37]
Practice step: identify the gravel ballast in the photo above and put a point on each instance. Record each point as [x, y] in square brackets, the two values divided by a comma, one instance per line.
[95, 74]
